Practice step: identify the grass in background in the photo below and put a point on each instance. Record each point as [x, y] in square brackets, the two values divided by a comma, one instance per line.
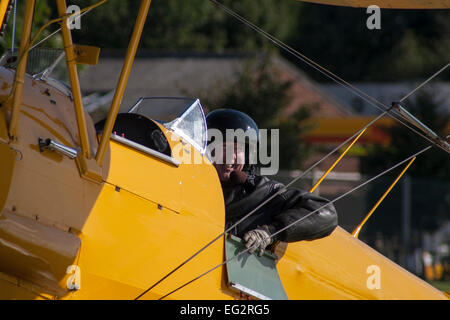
[441, 285]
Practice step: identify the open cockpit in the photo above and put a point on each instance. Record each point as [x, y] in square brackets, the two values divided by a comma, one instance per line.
[143, 125]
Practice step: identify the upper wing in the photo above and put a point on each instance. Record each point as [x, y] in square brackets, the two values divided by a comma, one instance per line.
[390, 4]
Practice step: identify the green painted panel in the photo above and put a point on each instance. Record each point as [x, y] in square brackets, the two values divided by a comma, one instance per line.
[251, 274]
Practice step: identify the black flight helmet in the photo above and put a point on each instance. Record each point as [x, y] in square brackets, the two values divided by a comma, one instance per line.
[223, 119]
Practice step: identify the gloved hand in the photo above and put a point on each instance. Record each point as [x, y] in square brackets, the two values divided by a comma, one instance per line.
[259, 238]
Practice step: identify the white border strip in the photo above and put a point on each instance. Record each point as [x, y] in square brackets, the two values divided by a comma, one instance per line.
[249, 291]
[146, 150]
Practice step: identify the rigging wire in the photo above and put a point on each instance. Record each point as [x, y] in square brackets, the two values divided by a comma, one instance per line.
[57, 30]
[304, 217]
[13, 40]
[57, 20]
[30, 46]
[262, 204]
[299, 55]
[372, 101]
[425, 82]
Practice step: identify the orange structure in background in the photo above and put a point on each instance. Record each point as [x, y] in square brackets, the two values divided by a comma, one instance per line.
[337, 130]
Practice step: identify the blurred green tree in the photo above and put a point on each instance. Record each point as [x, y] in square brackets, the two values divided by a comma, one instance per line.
[194, 25]
[410, 43]
[42, 15]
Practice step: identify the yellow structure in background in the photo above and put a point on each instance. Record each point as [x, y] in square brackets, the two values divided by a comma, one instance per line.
[336, 130]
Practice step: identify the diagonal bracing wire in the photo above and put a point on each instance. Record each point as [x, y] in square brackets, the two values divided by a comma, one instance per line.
[300, 219]
[262, 204]
[58, 30]
[299, 55]
[425, 82]
[372, 101]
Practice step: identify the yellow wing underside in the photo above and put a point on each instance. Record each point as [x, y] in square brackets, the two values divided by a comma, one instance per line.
[388, 4]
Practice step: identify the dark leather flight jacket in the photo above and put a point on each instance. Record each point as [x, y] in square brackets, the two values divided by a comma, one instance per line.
[285, 208]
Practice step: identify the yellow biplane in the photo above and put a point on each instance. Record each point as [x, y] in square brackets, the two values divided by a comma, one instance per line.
[120, 211]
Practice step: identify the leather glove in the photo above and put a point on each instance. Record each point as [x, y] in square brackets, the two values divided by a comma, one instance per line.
[259, 239]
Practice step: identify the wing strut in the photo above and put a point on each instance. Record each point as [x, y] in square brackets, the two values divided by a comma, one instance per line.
[121, 85]
[19, 78]
[337, 161]
[355, 232]
[74, 81]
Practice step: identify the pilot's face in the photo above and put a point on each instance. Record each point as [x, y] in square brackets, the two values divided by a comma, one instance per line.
[225, 165]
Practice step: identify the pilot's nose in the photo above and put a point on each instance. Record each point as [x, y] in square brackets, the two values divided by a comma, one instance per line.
[231, 160]
[234, 157]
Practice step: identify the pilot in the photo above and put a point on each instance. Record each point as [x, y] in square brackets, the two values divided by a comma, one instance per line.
[244, 190]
